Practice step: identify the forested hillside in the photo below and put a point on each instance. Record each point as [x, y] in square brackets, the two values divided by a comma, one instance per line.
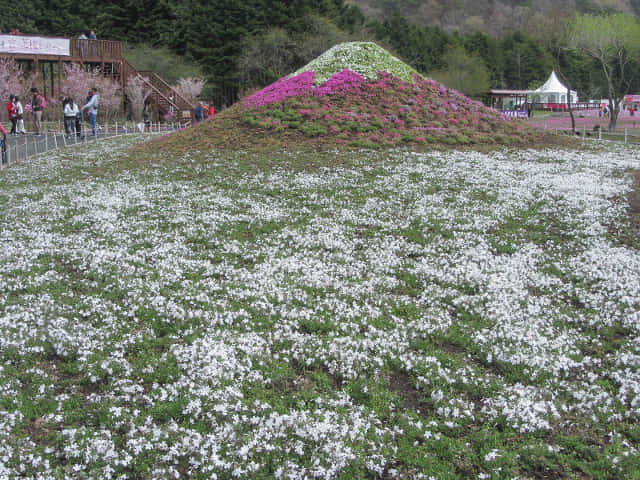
[241, 46]
[489, 16]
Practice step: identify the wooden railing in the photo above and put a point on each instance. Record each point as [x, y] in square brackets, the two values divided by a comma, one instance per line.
[165, 97]
[167, 90]
[96, 49]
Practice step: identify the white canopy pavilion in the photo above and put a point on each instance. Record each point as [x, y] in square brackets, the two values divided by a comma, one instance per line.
[553, 92]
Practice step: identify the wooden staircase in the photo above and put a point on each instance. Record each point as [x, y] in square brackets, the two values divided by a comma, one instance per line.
[163, 96]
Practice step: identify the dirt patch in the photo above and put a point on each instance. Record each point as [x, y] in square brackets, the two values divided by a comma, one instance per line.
[404, 386]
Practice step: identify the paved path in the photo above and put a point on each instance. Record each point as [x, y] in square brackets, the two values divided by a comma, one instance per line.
[21, 147]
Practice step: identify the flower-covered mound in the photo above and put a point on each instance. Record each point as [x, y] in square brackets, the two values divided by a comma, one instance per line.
[346, 103]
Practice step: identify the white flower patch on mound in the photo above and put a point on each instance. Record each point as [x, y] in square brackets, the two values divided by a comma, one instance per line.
[365, 58]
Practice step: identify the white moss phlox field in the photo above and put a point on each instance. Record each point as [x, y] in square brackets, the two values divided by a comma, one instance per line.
[162, 303]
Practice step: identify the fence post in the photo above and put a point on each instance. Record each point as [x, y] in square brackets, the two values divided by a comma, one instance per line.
[584, 132]
[600, 134]
[625, 136]
[46, 142]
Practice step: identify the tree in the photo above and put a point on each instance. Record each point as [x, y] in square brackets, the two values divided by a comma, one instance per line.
[190, 88]
[554, 33]
[612, 40]
[110, 96]
[137, 92]
[12, 79]
[463, 72]
[77, 82]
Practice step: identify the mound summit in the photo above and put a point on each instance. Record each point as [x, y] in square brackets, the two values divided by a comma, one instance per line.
[354, 95]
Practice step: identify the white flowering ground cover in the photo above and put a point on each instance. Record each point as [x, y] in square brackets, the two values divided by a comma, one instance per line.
[365, 58]
[340, 316]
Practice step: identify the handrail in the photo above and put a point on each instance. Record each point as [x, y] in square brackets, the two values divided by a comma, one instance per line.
[155, 78]
[96, 49]
[154, 81]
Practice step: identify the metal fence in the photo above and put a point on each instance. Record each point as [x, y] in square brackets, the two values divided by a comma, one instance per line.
[21, 147]
[625, 135]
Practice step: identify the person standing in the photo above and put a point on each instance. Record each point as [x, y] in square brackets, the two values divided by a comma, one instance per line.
[146, 117]
[19, 114]
[78, 123]
[82, 40]
[69, 115]
[93, 43]
[199, 112]
[92, 107]
[36, 110]
[3, 145]
[11, 110]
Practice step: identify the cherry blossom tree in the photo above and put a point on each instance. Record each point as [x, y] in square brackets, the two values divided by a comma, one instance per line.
[78, 81]
[190, 88]
[110, 96]
[13, 80]
[137, 92]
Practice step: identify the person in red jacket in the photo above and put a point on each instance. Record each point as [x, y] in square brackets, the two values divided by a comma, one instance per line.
[13, 114]
[211, 112]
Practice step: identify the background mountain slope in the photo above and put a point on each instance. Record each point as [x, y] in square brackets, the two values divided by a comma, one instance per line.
[490, 16]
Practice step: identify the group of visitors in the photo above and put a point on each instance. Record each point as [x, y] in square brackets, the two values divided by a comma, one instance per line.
[72, 113]
[16, 111]
[603, 112]
[84, 44]
[203, 111]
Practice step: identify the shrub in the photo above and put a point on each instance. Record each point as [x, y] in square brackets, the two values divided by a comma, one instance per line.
[313, 130]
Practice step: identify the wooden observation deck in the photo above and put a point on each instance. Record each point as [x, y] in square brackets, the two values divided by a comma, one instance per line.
[48, 55]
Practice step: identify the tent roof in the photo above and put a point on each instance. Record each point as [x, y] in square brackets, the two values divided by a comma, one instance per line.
[553, 85]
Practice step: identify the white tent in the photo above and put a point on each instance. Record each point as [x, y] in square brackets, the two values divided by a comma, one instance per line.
[553, 91]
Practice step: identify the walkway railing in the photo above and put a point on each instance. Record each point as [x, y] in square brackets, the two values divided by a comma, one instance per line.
[96, 49]
[22, 147]
[625, 135]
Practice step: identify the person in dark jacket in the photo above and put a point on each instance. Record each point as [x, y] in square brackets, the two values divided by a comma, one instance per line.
[199, 112]
[36, 110]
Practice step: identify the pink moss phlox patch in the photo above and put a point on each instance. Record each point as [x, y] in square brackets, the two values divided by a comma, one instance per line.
[340, 84]
[282, 89]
